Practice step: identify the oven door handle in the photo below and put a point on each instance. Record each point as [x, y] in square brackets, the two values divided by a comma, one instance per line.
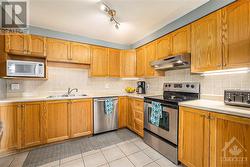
[165, 106]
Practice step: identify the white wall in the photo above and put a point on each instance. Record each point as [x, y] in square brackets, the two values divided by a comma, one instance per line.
[210, 85]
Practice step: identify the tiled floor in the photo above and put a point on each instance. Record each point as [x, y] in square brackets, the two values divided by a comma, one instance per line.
[130, 152]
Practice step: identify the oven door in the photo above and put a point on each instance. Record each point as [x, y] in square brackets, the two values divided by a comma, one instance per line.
[168, 123]
[25, 68]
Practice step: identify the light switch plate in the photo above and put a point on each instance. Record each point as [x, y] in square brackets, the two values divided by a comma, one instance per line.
[15, 86]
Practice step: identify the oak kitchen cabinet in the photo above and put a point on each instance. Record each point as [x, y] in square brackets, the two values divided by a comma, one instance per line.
[164, 46]
[30, 124]
[58, 50]
[140, 62]
[206, 43]
[114, 62]
[79, 53]
[99, 61]
[8, 117]
[57, 120]
[236, 34]
[123, 111]
[81, 117]
[214, 139]
[128, 63]
[150, 55]
[22, 44]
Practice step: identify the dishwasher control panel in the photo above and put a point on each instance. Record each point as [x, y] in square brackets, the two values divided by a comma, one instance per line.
[237, 97]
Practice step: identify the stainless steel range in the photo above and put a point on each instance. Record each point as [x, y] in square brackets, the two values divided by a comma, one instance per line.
[164, 138]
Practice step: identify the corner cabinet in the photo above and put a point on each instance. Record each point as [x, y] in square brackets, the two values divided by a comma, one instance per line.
[164, 46]
[236, 34]
[123, 111]
[99, 61]
[128, 63]
[150, 55]
[218, 140]
[206, 43]
[114, 62]
[140, 62]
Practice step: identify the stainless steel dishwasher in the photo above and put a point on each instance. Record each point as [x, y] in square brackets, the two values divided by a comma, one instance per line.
[105, 122]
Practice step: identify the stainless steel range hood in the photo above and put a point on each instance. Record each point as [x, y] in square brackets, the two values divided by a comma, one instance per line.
[174, 62]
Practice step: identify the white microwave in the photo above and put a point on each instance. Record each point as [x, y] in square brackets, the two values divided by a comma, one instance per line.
[18, 68]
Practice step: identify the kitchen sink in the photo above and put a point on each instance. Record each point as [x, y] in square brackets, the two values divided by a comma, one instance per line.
[65, 95]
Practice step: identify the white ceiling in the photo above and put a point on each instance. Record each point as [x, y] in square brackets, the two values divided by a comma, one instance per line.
[138, 18]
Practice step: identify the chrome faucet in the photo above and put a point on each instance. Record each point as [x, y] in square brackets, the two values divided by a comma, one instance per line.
[71, 90]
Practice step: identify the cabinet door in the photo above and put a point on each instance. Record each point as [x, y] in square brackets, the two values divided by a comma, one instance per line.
[81, 115]
[128, 63]
[57, 121]
[181, 40]
[150, 55]
[37, 45]
[8, 117]
[58, 50]
[229, 141]
[79, 53]
[163, 46]
[236, 34]
[32, 124]
[130, 116]
[99, 61]
[140, 62]
[16, 44]
[122, 113]
[114, 62]
[206, 43]
[193, 137]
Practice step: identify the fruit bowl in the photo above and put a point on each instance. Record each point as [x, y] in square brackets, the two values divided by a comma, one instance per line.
[130, 90]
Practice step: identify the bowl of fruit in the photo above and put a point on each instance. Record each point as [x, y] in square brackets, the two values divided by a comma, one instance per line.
[130, 90]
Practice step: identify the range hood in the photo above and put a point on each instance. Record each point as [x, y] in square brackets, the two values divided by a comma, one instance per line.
[174, 62]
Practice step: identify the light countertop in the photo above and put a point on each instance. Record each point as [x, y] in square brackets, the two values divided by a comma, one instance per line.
[218, 107]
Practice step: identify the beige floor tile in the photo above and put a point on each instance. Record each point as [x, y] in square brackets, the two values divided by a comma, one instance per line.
[74, 163]
[153, 164]
[51, 164]
[71, 158]
[91, 152]
[112, 153]
[6, 161]
[154, 155]
[128, 148]
[139, 159]
[19, 159]
[94, 160]
[124, 162]
[106, 165]
[140, 144]
[164, 162]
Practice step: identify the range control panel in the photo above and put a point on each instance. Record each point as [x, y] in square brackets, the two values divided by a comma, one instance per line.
[237, 97]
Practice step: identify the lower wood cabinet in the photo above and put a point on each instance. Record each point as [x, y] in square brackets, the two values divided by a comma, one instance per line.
[57, 121]
[8, 117]
[81, 117]
[123, 112]
[209, 139]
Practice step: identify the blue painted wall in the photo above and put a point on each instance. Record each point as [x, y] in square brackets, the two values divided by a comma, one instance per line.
[203, 10]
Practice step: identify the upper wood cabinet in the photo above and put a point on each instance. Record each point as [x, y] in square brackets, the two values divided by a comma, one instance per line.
[37, 45]
[57, 121]
[114, 62]
[99, 61]
[58, 50]
[150, 55]
[16, 44]
[181, 40]
[8, 117]
[128, 63]
[81, 115]
[79, 53]
[122, 112]
[206, 43]
[140, 62]
[163, 46]
[193, 144]
[31, 126]
[236, 34]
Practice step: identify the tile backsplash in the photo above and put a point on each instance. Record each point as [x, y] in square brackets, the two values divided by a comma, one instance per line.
[210, 85]
[60, 79]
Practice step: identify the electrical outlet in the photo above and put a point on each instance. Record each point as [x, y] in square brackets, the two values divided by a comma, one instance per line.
[15, 86]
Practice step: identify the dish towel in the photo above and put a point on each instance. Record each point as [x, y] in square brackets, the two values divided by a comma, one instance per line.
[156, 113]
[109, 106]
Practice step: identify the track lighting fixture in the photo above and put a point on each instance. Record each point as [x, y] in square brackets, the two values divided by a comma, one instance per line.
[111, 13]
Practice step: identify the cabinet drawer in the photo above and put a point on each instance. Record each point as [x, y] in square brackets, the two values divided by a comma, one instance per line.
[138, 104]
[138, 114]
